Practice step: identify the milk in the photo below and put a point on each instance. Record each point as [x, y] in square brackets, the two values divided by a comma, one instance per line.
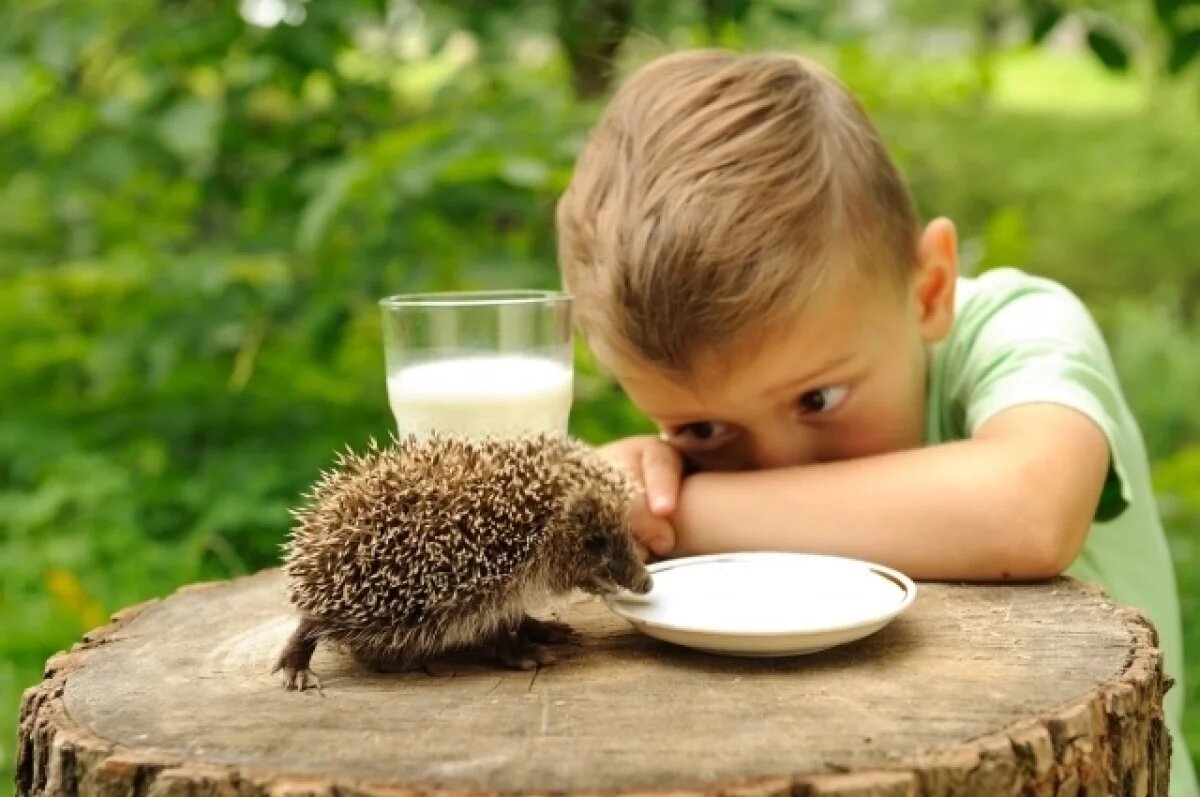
[500, 395]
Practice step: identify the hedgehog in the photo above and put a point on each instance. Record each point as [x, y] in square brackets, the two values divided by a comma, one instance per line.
[441, 542]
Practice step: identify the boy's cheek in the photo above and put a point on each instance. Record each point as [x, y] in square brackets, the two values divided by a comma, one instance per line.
[901, 433]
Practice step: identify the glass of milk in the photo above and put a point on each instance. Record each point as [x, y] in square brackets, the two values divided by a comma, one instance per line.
[479, 363]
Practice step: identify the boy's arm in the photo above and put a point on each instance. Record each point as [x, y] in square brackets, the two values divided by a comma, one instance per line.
[1013, 502]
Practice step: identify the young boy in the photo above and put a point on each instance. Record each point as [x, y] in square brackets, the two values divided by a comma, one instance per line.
[746, 261]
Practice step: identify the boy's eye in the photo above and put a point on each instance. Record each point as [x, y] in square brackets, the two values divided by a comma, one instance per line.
[826, 399]
[702, 434]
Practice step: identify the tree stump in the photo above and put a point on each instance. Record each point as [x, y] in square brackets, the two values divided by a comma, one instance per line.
[1028, 689]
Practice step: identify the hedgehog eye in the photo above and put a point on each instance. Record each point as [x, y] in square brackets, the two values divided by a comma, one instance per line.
[595, 543]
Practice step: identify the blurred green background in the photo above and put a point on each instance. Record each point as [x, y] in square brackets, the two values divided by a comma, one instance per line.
[200, 202]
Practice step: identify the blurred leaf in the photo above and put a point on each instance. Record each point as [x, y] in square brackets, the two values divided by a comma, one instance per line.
[189, 129]
[1044, 15]
[1166, 11]
[336, 184]
[1184, 48]
[1108, 47]
[525, 172]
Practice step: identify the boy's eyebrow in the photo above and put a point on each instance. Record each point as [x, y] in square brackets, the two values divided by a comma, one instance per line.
[813, 375]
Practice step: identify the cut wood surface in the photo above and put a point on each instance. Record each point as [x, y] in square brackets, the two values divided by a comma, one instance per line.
[1034, 689]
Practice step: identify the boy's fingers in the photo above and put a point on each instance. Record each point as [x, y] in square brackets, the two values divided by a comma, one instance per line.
[652, 531]
[663, 541]
[661, 473]
[628, 460]
[657, 469]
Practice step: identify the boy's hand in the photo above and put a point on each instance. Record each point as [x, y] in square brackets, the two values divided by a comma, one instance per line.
[658, 469]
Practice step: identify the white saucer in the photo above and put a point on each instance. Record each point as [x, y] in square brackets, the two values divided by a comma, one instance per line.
[766, 604]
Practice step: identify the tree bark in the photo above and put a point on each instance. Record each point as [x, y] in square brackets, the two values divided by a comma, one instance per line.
[1041, 689]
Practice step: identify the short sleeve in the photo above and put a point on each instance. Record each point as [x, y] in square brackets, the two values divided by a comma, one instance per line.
[1029, 340]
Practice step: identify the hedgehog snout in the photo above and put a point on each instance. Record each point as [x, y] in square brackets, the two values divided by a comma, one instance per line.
[606, 584]
[641, 583]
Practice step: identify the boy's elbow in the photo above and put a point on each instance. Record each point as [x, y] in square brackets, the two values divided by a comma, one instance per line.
[1045, 550]
[1055, 533]
[1069, 536]
[1050, 553]
[1050, 484]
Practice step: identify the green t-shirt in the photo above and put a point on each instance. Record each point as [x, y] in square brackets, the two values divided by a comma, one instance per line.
[1019, 339]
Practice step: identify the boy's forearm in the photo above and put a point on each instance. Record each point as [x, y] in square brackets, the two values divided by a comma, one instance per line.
[959, 511]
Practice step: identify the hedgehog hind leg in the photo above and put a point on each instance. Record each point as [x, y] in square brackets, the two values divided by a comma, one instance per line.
[297, 656]
[537, 631]
[397, 649]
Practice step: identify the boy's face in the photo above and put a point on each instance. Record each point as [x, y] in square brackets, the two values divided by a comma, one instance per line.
[846, 380]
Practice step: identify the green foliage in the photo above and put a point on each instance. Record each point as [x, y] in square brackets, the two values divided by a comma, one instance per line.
[1043, 16]
[1105, 202]
[1157, 352]
[1108, 47]
[197, 217]
[1184, 49]
[1180, 19]
[1178, 478]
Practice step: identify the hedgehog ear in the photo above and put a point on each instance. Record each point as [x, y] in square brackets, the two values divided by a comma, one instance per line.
[582, 511]
[584, 519]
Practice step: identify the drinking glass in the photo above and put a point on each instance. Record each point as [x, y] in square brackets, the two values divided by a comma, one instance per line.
[479, 363]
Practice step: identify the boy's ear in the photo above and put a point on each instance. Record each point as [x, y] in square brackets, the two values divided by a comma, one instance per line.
[937, 273]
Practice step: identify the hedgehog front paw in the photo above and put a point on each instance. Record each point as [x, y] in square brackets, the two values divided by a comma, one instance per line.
[526, 656]
[515, 650]
[297, 654]
[299, 679]
[544, 631]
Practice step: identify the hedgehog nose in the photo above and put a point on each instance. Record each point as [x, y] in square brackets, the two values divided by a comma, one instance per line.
[642, 583]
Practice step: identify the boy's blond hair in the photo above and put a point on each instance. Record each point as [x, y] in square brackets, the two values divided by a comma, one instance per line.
[712, 197]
